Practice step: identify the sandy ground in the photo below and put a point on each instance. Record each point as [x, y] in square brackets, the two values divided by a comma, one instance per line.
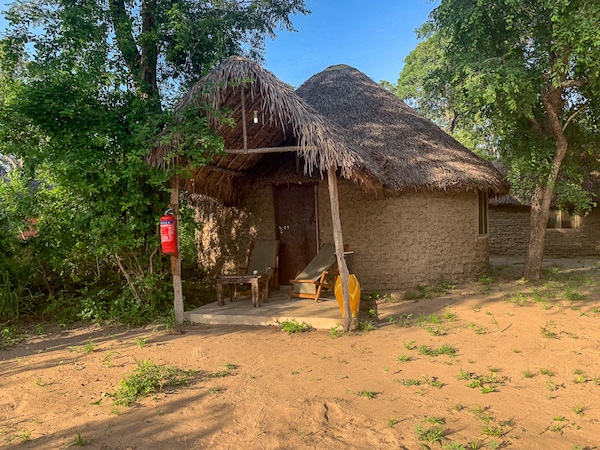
[534, 347]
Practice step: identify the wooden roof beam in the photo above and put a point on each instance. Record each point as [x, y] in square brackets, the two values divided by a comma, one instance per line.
[241, 151]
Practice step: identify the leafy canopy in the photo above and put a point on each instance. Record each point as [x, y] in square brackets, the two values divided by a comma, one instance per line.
[526, 66]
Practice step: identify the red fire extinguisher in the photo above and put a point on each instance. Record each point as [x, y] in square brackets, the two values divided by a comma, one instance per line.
[168, 233]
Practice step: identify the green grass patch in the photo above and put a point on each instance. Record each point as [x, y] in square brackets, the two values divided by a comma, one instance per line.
[148, 378]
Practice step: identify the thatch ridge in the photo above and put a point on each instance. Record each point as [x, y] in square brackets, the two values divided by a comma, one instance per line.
[398, 147]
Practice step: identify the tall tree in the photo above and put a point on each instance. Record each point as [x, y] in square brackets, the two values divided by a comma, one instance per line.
[532, 69]
[426, 84]
[86, 87]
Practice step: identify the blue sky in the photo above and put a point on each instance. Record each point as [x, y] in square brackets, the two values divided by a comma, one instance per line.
[372, 35]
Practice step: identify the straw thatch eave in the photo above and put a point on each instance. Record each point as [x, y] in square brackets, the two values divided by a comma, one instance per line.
[285, 120]
[399, 148]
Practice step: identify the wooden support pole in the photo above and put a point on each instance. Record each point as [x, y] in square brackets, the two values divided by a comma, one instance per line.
[339, 245]
[176, 257]
[243, 88]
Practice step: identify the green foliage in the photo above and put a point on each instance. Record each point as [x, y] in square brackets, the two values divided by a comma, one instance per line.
[519, 63]
[148, 378]
[292, 326]
[366, 325]
[434, 434]
[80, 111]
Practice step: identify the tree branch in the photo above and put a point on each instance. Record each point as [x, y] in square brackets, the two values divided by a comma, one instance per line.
[572, 117]
[124, 34]
[574, 83]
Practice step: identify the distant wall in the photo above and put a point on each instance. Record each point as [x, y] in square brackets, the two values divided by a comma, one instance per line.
[509, 234]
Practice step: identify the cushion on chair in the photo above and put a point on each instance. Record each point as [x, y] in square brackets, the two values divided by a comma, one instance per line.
[313, 271]
[263, 255]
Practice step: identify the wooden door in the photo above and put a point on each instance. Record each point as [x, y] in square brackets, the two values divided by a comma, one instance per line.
[296, 221]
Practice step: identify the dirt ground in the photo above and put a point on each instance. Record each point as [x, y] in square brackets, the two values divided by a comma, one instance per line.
[525, 375]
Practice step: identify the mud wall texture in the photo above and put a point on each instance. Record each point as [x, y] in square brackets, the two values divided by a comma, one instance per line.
[408, 240]
[398, 241]
[509, 234]
[225, 233]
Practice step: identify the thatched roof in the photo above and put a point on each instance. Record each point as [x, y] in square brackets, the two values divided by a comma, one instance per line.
[400, 148]
[338, 118]
[284, 120]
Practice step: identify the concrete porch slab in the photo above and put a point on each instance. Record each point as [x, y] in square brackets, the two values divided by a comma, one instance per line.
[323, 314]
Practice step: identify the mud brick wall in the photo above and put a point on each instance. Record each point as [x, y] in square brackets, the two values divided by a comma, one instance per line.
[407, 240]
[509, 234]
[225, 234]
[398, 241]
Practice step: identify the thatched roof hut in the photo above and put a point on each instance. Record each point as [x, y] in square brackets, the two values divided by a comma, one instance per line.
[399, 148]
[338, 118]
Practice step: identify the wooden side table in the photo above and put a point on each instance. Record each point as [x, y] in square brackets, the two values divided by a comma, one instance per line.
[258, 283]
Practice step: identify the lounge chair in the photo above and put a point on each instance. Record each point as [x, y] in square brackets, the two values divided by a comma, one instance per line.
[310, 281]
[263, 258]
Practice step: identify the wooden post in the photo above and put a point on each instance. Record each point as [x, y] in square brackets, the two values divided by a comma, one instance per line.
[339, 245]
[176, 257]
[244, 119]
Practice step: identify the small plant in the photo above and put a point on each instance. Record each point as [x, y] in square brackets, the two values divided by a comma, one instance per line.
[215, 390]
[88, 347]
[454, 446]
[391, 422]
[39, 382]
[485, 279]
[403, 358]
[292, 326]
[366, 325]
[548, 372]
[492, 431]
[147, 378]
[528, 374]
[458, 407]
[578, 409]
[79, 440]
[435, 420]
[141, 342]
[434, 434]
[546, 332]
[336, 331]
[409, 345]
[367, 394]
[106, 361]
[449, 315]
[410, 382]
[220, 374]
[25, 435]
[442, 350]
[440, 331]
[403, 321]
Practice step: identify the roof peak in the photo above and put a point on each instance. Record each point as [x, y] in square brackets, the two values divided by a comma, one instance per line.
[339, 67]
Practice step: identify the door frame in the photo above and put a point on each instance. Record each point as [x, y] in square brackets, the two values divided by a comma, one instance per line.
[317, 218]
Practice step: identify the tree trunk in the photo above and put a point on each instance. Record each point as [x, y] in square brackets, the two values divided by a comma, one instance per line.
[149, 46]
[141, 54]
[542, 196]
[540, 210]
